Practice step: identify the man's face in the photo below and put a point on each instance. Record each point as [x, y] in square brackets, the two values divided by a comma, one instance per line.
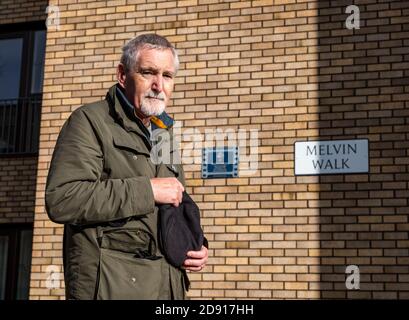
[150, 86]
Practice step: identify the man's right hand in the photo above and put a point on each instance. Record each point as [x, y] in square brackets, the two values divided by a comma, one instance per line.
[167, 191]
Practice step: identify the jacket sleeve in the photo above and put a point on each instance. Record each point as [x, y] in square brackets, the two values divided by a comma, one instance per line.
[75, 193]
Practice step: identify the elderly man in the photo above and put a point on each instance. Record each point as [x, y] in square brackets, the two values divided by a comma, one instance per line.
[104, 187]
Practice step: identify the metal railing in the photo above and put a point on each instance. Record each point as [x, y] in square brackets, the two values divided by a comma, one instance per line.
[19, 125]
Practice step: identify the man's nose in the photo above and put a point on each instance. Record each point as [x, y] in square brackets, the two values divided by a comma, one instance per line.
[157, 83]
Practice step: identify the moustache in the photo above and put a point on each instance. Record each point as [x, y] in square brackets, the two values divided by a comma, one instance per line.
[159, 96]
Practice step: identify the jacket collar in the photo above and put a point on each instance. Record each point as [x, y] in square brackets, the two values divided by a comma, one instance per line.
[124, 112]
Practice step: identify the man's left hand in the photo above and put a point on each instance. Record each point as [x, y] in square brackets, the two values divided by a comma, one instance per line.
[196, 260]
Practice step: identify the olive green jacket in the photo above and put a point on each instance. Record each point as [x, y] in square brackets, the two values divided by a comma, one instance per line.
[99, 187]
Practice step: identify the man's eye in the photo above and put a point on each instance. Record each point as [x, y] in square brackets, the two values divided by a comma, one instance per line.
[146, 72]
[168, 76]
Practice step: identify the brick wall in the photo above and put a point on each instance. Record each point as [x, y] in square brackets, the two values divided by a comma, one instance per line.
[17, 189]
[15, 11]
[18, 174]
[293, 72]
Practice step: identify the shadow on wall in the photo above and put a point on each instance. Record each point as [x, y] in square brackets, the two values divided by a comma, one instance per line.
[363, 77]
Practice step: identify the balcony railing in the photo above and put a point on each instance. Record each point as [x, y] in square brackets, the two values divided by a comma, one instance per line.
[19, 125]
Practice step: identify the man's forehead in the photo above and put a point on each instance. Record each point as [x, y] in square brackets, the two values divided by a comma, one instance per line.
[156, 58]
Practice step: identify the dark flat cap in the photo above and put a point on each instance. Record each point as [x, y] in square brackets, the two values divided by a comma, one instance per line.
[180, 230]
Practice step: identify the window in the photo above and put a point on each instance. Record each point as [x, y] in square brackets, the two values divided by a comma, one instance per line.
[10, 67]
[22, 53]
[15, 261]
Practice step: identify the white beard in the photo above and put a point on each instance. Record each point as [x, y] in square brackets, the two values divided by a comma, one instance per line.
[152, 107]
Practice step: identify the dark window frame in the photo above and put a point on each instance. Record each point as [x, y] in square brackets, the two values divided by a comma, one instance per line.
[27, 32]
[13, 232]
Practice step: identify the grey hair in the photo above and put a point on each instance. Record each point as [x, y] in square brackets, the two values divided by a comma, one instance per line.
[131, 49]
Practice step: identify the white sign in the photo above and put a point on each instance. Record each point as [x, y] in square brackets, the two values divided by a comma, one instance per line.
[331, 157]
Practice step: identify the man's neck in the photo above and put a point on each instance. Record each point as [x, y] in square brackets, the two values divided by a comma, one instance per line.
[145, 120]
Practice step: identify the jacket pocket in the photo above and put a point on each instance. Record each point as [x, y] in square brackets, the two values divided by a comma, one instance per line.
[134, 241]
[128, 158]
[124, 277]
[125, 142]
[128, 267]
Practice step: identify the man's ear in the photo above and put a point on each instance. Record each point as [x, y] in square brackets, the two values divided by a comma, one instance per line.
[121, 75]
